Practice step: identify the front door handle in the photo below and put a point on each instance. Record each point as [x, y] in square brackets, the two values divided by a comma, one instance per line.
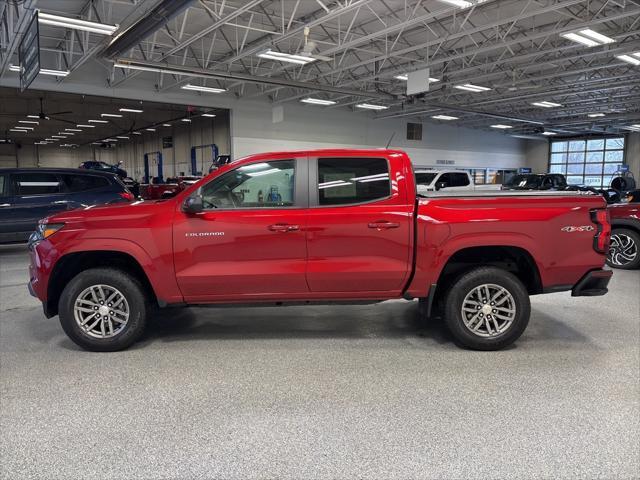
[283, 227]
[383, 225]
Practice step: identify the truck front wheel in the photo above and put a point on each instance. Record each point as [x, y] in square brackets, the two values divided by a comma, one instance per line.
[103, 310]
[487, 308]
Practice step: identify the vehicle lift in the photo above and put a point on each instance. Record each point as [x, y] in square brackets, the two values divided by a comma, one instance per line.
[147, 179]
[214, 156]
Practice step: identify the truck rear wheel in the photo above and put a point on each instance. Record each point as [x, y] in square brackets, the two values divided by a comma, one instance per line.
[487, 308]
[103, 310]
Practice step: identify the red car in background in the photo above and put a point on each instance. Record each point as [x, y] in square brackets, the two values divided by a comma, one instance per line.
[173, 186]
[625, 235]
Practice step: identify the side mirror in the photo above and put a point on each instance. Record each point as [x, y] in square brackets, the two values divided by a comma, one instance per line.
[193, 204]
[441, 185]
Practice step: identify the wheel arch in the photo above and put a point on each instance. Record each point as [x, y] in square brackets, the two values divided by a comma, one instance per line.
[71, 264]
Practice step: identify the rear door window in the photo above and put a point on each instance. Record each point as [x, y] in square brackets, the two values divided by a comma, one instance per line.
[345, 181]
[82, 183]
[36, 183]
[459, 179]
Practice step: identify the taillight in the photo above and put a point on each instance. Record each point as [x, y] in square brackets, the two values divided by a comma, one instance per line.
[128, 196]
[603, 235]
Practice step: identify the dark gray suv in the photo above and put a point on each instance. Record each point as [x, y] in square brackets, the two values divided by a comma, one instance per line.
[29, 194]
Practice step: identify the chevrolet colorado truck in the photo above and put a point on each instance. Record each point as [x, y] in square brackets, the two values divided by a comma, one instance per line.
[319, 226]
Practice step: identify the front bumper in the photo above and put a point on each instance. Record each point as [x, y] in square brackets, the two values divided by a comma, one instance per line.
[593, 284]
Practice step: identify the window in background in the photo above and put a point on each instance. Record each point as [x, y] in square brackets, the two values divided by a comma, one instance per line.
[589, 162]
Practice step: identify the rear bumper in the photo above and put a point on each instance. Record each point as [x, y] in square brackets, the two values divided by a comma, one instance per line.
[593, 284]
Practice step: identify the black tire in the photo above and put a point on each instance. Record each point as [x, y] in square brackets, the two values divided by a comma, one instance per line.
[134, 296]
[465, 284]
[625, 235]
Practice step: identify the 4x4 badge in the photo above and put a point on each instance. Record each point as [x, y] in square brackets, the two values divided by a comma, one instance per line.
[583, 228]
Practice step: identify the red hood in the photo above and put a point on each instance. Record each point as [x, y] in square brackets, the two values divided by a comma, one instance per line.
[113, 212]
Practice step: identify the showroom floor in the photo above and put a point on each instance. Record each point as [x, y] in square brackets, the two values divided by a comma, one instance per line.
[323, 392]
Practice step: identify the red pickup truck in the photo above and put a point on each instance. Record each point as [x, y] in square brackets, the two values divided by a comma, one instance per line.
[319, 227]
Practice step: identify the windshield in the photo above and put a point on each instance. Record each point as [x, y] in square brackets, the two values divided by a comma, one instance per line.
[425, 178]
[524, 181]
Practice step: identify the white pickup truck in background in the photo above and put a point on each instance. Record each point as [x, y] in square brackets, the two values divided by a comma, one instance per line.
[431, 180]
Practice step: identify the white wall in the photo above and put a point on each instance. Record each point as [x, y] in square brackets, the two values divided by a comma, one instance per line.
[306, 127]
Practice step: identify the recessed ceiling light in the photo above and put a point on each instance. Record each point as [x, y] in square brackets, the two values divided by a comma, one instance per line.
[73, 130]
[166, 124]
[74, 23]
[444, 117]
[548, 134]
[595, 115]
[404, 77]
[630, 59]
[23, 128]
[29, 121]
[318, 101]
[33, 116]
[546, 104]
[114, 115]
[469, 87]
[122, 137]
[286, 57]
[43, 71]
[136, 133]
[130, 110]
[66, 133]
[18, 130]
[86, 126]
[210, 115]
[185, 119]
[98, 121]
[370, 106]
[58, 136]
[150, 129]
[502, 127]
[198, 88]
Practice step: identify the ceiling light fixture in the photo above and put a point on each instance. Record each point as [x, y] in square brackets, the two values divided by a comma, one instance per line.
[72, 130]
[459, 3]
[74, 23]
[318, 101]
[405, 76]
[29, 121]
[210, 115]
[501, 127]
[114, 115]
[198, 88]
[630, 58]
[58, 136]
[548, 134]
[185, 119]
[33, 116]
[588, 37]
[98, 121]
[469, 87]
[595, 115]
[18, 130]
[166, 124]
[633, 128]
[150, 129]
[370, 106]
[23, 128]
[43, 71]
[546, 104]
[122, 137]
[444, 117]
[136, 133]
[130, 110]
[86, 126]
[286, 57]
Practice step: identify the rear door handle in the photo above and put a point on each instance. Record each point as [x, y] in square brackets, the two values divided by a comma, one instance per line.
[383, 225]
[283, 227]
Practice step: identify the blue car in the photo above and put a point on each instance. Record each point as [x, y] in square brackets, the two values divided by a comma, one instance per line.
[29, 194]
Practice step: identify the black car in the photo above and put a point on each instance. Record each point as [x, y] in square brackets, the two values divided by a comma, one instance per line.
[29, 194]
[536, 181]
[104, 167]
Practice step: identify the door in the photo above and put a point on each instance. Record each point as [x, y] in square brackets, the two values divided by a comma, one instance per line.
[36, 196]
[249, 242]
[360, 224]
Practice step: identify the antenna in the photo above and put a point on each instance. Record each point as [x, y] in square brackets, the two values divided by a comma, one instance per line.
[391, 138]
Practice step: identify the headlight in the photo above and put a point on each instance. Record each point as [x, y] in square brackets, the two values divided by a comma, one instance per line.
[47, 229]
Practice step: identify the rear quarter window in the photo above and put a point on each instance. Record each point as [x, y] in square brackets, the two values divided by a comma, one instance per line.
[36, 183]
[83, 183]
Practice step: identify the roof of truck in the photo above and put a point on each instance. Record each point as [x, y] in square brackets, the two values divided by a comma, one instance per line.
[333, 152]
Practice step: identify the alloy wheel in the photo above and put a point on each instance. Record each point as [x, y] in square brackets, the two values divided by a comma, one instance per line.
[101, 311]
[488, 310]
[622, 249]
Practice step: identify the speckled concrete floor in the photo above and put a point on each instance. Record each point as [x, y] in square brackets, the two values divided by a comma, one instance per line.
[322, 392]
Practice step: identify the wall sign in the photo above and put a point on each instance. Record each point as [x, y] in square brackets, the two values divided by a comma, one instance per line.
[29, 53]
[445, 162]
[167, 142]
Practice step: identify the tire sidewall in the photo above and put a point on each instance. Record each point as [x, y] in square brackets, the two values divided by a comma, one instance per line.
[133, 293]
[636, 238]
[465, 284]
